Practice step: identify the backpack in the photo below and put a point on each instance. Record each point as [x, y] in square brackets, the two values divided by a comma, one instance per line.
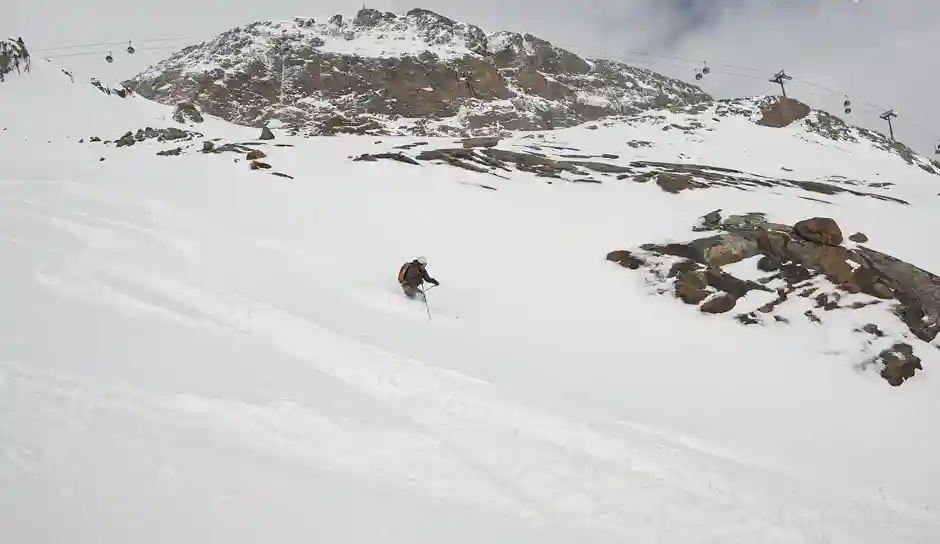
[401, 272]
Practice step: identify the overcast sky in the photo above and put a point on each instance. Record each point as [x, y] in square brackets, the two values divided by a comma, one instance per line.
[883, 53]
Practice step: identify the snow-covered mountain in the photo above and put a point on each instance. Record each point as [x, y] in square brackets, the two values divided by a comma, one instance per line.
[704, 323]
[418, 73]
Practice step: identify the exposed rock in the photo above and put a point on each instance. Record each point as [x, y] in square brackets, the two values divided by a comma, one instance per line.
[690, 287]
[625, 259]
[900, 363]
[126, 140]
[394, 156]
[801, 264]
[255, 154]
[917, 290]
[712, 217]
[498, 84]
[859, 237]
[768, 264]
[823, 230]
[674, 183]
[266, 134]
[873, 330]
[480, 142]
[748, 319]
[208, 146]
[161, 135]
[722, 281]
[187, 110]
[719, 304]
[600, 167]
[170, 152]
[718, 250]
[410, 146]
[684, 265]
[783, 113]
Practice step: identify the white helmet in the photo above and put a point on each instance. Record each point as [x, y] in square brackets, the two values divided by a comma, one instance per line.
[423, 261]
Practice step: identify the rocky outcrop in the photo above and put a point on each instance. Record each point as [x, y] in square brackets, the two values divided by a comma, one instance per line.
[436, 76]
[122, 92]
[805, 262]
[161, 135]
[14, 55]
[783, 113]
[487, 155]
[187, 111]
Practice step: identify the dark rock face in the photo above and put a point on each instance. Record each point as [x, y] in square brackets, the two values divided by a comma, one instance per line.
[785, 112]
[301, 80]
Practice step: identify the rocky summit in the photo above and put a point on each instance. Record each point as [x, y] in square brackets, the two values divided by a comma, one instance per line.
[420, 73]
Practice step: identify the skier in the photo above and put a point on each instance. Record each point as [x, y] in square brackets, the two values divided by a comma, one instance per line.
[412, 276]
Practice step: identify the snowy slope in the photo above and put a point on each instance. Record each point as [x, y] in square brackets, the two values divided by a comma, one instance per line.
[193, 350]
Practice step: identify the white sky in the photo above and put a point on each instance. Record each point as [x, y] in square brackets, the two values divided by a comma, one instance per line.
[883, 53]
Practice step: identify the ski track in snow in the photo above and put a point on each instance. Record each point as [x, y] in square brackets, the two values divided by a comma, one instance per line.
[457, 441]
[158, 379]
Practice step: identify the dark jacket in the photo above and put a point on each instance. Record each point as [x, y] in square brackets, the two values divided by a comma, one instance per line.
[413, 274]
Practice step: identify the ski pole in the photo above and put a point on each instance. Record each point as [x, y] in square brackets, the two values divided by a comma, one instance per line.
[425, 297]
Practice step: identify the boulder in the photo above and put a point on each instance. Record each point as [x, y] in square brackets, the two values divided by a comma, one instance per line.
[208, 146]
[255, 154]
[900, 363]
[266, 134]
[859, 237]
[625, 259]
[712, 217]
[822, 230]
[256, 165]
[719, 304]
